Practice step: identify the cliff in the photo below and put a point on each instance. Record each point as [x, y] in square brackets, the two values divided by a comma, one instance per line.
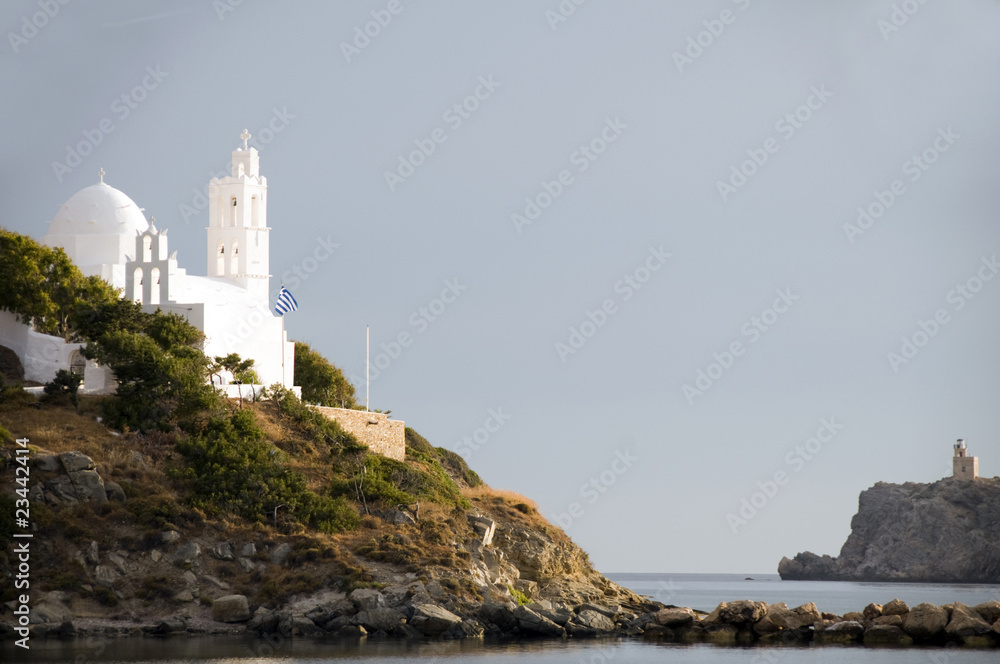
[946, 532]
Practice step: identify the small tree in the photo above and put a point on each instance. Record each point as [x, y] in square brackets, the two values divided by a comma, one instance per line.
[65, 382]
[321, 382]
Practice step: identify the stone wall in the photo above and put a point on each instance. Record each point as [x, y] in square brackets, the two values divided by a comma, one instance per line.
[381, 435]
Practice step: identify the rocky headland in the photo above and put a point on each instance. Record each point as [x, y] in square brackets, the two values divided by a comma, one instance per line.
[945, 532]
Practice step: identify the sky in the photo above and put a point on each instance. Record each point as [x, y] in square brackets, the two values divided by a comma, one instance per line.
[690, 275]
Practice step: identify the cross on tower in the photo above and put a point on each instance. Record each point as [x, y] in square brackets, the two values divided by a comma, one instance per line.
[100, 174]
[246, 137]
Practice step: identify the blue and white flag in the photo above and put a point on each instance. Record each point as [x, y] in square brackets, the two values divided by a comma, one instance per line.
[285, 303]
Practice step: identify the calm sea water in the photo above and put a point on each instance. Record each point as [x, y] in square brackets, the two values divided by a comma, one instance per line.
[702, 591]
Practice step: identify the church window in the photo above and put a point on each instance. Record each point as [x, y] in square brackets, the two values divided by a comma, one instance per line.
[147, 249]
[137, 285]
[232, 212]
[154, 286]
[234, 259]
[77, 363]
[254, 211]
[220, 265]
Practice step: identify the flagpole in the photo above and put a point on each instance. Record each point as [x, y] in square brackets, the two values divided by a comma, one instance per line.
[367, 366]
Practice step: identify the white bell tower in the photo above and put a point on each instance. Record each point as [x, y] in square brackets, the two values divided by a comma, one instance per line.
[237, 224]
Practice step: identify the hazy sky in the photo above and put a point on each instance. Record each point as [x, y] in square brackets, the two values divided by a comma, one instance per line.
[686, 179]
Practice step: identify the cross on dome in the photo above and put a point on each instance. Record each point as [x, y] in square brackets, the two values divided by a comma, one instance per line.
[100, 174]
[246, 137]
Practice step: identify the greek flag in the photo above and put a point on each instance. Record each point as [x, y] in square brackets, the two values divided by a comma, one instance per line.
[285, 303]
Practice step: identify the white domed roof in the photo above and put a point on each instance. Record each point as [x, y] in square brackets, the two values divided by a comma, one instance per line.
[98, 210]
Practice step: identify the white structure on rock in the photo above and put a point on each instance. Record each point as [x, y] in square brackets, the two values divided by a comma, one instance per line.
[964, 467]
[106, 234]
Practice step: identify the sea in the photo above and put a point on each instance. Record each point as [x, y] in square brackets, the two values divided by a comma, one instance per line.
[699, 591]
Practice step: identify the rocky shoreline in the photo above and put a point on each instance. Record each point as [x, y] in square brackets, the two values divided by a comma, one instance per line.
[409, 612]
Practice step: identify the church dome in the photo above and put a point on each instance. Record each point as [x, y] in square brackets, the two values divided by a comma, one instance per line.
[99, 209]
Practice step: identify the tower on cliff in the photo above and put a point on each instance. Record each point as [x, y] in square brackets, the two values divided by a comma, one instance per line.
[964, 467]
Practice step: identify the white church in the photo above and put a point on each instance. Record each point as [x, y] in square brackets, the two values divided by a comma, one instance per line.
[106, 234]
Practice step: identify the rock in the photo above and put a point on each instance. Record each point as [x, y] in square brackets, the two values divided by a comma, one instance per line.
[169, 536]
[105, 576]
[186, 554]
[118, 561]
[326, 612]
[896, 607]
[221, 585]
[526, 586]
[230, 609]
[886, 635]
[500, 615]
[352, 631]
[485, 528]
[176, 625]
[808, 614]
[47, 462]
[76, 461]
[91, 553]
[246, 564]
[60, 490]
[595, 621]
[189, 578]
[366, 599]
[944, 532]
[988, 611]
[872, 611]
[380, 619]
[115, 492]
[49, 612]
[302, 626]
[155, 555]
[925, 622]
[183, 597]
[843, 632]
[778, 618]
[89, 486]
[398, 517]
[742, 612]
[856, 616]
[249, 549]
[894, 620]
[533, 623]
[432, 620]
[280, 554]
[674, 617]
[965, 622]
[222, 551]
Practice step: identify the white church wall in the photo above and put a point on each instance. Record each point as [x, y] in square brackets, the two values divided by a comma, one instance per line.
[41, 355]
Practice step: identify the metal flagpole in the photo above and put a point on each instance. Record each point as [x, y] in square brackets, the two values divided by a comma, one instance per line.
[367, 366]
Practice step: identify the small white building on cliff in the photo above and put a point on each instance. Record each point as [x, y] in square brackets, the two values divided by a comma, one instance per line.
[964, 467]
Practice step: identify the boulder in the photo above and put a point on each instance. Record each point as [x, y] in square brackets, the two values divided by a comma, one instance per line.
[169, 536]
[965, 622]
[186, 554]
[176, 625]
[246, 564]
[183, 597]
[808, 614]
[324, 613]
[398, 517]
[118, 562]
[105, 576]
[896, 607]
[925, 622]
[230, 609]
[872, 611]
[115, 492]
[280, 554]
[485, 528]
[366, 599]
[742, 612]
[847, 631]
[356, 631]
[534, 623]
[497, 614]
[89, 486]
[380, 619]
[47, 462]
[856, 616]
[989, 611]
[594, 620]
[76, 461]
[222, 551]
[249, 549]
[302, 626]
[893, 620]
[886, 635]
[432, 620]
[91, 553]
[49, 612]
[674, 617]
[778, 618]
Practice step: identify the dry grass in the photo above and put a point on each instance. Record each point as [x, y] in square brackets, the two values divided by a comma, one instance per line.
[484, 492]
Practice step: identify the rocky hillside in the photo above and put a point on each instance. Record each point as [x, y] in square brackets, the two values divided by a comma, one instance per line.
[947, 532]
[125, 540]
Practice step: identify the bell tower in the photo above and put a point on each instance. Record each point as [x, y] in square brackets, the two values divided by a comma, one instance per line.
[964, 467]
[237, 223]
